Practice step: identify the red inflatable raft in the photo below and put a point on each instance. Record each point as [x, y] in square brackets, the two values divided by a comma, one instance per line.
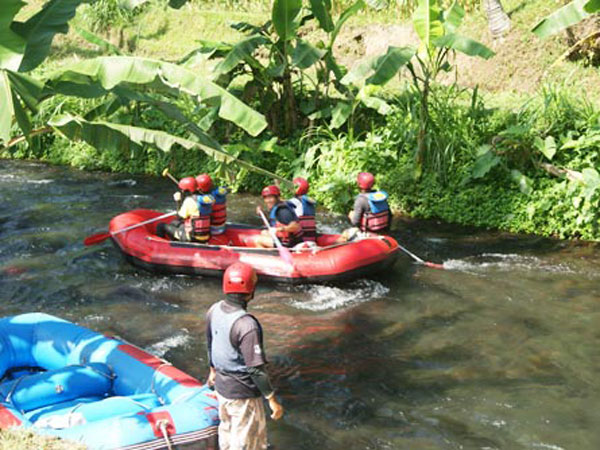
[327, 262]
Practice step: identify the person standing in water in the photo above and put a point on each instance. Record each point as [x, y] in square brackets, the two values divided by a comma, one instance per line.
[237, 364]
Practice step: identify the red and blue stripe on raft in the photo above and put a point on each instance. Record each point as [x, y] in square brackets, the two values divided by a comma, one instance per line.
[65, 380]
[327, 262]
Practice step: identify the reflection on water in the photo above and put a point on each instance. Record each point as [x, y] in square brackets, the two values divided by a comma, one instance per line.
[499, 351]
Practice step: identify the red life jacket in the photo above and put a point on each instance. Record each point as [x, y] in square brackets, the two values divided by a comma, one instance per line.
[287, 239]
[198, 226]
[378, 218]
[305, 207]
[218, 217]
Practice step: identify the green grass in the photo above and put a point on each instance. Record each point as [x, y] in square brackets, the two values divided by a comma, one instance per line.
[21, 439]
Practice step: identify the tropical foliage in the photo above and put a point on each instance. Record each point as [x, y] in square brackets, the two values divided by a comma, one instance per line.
[119, 81]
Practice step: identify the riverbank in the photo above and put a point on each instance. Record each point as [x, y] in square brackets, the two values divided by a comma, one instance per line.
[19, 438]
[511, 146]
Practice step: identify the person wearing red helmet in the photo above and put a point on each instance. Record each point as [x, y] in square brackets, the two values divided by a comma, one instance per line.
[305, 209]
[218, 216]
[193, 216]
[282, 218]
[371, 212]
[237, 364]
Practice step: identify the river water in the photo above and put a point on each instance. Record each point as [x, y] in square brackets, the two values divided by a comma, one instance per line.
[499, 351]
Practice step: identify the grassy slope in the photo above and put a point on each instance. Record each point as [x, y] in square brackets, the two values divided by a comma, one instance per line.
[19, 439]
[518, 68]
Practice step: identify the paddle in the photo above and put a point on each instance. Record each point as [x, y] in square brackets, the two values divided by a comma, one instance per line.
[165, 173]
[101, 237]
[284, 253]
[420, 261]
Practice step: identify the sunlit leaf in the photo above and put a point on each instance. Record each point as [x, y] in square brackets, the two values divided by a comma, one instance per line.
[12, 45]
[427, 21]
[340, 114]
[110, 136]
[305, 55]
[322, 11]
[453, 17]
[561, 19]
[241, 51]
[284, 15]
[7, 110]
[40, 29]
[380, 69]
[95, 77]
[485, 162]
[346, 14]
[524, 183]
[464, 45]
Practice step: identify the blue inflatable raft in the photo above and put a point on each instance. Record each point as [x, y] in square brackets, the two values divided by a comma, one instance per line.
[65, 380]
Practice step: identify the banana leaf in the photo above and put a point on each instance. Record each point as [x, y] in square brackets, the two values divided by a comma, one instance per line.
[98, 76]
[110, 136]
[40, 29]
[12, 45]
[561, 19]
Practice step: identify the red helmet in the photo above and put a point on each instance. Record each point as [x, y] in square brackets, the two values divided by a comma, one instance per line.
[271, 190]
[239, 278]
[204, 182]
[187, 184]
[301, 185]
[365, 180]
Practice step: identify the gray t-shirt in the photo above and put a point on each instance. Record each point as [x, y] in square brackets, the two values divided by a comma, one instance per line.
[246, 336]
[361, 206]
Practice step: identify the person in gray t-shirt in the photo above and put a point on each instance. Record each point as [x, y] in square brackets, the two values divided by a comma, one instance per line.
[237, 364]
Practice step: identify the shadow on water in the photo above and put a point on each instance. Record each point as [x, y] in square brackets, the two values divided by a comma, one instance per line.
[499, 352]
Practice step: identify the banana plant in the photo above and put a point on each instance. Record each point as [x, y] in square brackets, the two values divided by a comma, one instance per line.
[567, 16]
[119, 80]
[24, 45]
[294, 65]
[439, 40]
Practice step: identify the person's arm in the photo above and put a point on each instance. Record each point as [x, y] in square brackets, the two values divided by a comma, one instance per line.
[212, 374]
[358, 210]
[288, 220]
[248, 333]
[261, 379]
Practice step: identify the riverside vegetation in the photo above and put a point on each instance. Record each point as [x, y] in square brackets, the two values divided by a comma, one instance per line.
[279, 94]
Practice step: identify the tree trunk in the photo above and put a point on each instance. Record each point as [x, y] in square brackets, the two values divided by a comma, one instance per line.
[498, 20]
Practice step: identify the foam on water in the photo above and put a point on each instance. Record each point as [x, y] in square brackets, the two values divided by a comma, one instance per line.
[159, 284]
[504, 262]
[322, 298]
[177, 340]
[122, 183]
[12, 177]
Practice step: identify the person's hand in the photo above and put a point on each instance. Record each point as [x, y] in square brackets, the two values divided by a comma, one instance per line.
[276, 408]
[211, 377]
[350, 215]
[177, 196]
[280, 229]
[258, 210]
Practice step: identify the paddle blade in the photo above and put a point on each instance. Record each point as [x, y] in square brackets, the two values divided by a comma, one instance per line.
[95, 239]
[285, 255]
[434, 265]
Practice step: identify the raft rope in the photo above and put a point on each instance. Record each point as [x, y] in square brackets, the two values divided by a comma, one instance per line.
[162, 426]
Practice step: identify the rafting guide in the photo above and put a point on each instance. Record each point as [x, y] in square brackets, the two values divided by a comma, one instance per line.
[237, 364]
